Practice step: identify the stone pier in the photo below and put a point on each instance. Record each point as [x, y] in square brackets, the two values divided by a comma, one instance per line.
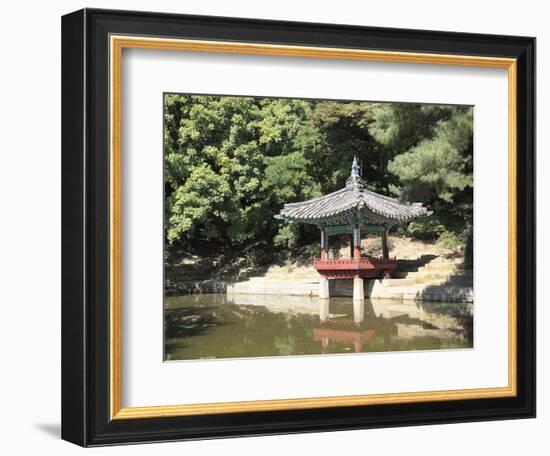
[358, 289]
[324, 288]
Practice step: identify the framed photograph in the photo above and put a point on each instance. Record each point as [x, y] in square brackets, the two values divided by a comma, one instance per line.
[279, 227]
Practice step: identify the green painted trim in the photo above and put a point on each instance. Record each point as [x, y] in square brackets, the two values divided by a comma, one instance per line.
[332, 230]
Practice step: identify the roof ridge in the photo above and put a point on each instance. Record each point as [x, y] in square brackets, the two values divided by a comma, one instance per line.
[354, 196]
[317, 198]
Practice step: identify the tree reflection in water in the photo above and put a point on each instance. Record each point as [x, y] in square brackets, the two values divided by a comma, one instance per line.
[214, 326]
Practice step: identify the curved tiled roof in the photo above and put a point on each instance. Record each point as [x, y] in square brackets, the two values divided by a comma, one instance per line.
[354, 200]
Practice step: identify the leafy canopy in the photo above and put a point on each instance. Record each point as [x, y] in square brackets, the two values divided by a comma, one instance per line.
[231, 163]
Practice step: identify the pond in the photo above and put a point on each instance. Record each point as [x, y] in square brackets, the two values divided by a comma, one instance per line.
[240, 326]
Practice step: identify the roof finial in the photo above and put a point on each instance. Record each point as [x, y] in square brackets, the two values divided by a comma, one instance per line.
[355, 168]
[354, 180]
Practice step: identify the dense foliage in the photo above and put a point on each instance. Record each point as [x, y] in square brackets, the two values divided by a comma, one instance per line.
[232, 162]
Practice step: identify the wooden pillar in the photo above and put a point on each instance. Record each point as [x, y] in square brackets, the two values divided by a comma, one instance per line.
[358, 284]
[385, 251]
[324, 244]
[356, 242]
[323, 281]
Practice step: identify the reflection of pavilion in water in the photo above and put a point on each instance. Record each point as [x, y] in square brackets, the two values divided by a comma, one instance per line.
[395, 320]
[350, 336]
[372, 319]
[383, 318]
[333, 330]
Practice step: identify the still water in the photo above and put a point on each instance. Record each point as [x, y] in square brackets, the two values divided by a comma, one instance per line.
[240, 326]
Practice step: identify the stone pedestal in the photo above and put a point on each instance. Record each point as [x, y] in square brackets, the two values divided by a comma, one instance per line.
[358, 289]
[323, 288]
[358, 300]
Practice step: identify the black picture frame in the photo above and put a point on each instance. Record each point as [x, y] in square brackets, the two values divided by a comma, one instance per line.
[85, 225]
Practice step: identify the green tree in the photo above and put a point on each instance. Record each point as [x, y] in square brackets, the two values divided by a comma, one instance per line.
[201, 206]
[230, 165]
[433, 161]
[342, 133]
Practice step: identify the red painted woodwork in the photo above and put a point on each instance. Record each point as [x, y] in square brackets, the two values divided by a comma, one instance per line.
[357, 338]
[348, 268]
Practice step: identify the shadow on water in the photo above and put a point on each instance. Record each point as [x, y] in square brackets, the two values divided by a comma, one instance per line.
[461, 312]
[190, 321]
[215, 326]
[406, 319]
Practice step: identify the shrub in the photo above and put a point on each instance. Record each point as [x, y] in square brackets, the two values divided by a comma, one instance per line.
[426, 229]
[374, 245]
[450, 241]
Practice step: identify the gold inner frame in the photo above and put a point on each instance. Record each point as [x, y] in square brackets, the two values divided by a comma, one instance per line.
[117, 44]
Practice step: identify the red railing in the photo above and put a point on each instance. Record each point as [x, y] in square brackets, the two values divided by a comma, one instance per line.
[342, 268]
[354, 263]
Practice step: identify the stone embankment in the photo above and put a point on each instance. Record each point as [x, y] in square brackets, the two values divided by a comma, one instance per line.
[192, 276]
[437, 279]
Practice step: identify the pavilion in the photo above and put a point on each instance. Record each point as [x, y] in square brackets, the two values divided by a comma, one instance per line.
[354, 209]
